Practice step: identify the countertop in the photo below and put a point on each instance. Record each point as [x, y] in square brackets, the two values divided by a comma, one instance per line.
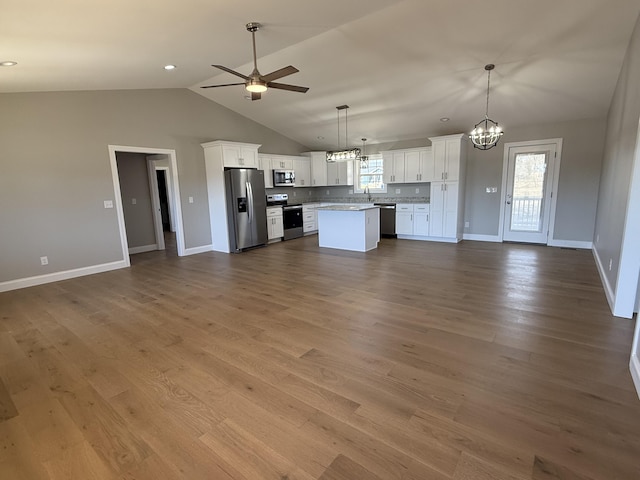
[348, 208]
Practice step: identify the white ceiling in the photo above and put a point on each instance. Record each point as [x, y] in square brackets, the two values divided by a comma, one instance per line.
[399, 65]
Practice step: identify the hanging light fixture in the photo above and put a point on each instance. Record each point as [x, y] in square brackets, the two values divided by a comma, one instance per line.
[347, 153]
[363, 156]
[486, 133]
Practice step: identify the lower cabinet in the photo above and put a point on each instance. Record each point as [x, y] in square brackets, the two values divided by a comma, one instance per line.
[412, 220]
[309, 218]
[445, 201]
[275, 224]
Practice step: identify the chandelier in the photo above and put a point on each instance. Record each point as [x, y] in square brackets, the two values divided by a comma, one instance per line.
[486, 133]
[347, 153]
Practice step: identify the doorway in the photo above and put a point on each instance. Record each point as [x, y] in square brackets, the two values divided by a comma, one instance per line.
[530, 180]
[155, 157]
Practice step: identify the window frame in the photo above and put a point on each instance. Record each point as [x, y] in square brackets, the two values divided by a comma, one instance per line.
[356, 176]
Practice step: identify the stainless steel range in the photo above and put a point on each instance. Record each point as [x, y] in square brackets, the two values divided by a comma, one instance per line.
[291, 215]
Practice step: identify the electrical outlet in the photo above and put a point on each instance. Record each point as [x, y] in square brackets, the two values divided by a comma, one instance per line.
[466, 224]
[44, 260]
[134, 201]
[351, 191]
[398, 191]
[295, 193]
[190, 199]
[108, 204]
[327, 192]
[610, 263]
[417, 190]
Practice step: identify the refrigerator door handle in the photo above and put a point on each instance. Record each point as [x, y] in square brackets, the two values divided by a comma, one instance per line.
[249, 201]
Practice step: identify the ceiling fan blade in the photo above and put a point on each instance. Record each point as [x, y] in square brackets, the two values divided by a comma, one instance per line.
[233, 72]
[256, 96]
[223, 85]
[284, 86]
[283, 72]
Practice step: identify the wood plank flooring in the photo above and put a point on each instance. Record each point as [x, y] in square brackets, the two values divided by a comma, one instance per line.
[418, 360]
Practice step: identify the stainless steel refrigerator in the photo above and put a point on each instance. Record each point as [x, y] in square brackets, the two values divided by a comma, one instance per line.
[246, 208]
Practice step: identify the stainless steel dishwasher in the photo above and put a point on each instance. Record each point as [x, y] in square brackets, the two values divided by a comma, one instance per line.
[387, 219]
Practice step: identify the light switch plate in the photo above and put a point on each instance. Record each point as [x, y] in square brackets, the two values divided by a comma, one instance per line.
[190, 199]
[398, 191]
[44, 260]
[134, 201]
[351, 191]
[108, 204]
[417, 190]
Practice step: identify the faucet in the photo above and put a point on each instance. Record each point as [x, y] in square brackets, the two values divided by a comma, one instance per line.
[366, 190]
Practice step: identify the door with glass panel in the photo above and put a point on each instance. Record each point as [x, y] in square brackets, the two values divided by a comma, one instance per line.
[528, 193]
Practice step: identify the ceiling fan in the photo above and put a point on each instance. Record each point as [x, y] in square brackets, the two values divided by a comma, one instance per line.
[256, 83]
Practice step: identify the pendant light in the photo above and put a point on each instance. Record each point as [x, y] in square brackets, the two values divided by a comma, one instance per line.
[486, 133]
[347, 153]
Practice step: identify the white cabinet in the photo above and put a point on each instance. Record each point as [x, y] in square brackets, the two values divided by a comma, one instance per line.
[302, 169]
[447, 157]
[239, 155]
[281, 162]
[393, 167]
[340, 173]
[318, 163]
[264, 163]
[445, 208]
[412, 165]
[421, 219]
[404, 219]
[275, 225]
[419, 166]
[310, 217]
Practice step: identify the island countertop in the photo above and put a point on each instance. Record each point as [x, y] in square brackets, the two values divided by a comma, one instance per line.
[348, 208]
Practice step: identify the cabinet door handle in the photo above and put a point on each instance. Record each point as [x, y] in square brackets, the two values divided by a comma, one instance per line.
[427, 217]
[445, 187]
[442, 176]
[446, 175]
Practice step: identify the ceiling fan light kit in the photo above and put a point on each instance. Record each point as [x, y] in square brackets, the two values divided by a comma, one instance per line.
[256, 83]
[486, 133]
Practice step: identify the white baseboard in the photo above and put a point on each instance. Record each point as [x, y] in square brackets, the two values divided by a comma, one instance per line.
[634, 366]
[570, 244]
[481, 238]
[429, 239]
[196, 250]
[608, 291]
[143, 249]
[58, 276]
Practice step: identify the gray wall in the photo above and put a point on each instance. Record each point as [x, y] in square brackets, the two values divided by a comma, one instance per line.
[620, 144]
[56, 171]
[577, 195]
[134, 184]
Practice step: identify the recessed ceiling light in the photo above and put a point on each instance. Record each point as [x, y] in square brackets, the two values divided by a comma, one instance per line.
[8, 63]
[444, 119]
[320, 137]
[169, 67]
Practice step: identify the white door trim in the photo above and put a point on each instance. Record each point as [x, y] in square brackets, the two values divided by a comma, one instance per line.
[554, 182]
[175, 185]
[155, 200]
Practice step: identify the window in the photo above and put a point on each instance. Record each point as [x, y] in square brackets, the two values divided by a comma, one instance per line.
[369, 174]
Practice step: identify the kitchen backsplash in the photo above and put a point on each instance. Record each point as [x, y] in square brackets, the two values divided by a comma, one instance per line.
[397, 193]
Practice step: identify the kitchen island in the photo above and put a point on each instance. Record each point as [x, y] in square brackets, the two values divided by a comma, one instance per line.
[349, 227]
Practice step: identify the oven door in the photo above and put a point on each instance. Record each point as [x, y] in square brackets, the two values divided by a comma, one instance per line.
[292, 220]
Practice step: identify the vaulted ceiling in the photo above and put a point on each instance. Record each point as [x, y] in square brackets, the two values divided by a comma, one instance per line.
[399, 65]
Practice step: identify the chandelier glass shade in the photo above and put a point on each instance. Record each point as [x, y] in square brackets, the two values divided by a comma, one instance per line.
[486, 133]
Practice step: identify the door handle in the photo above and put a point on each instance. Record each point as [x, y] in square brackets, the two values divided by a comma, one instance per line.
[508, 202]
[250, 198]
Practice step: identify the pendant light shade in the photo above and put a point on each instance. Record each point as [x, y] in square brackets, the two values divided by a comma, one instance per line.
[486, 133]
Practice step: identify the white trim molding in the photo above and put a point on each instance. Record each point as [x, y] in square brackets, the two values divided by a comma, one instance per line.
[570, 244]
[58, 276]
[196, 250]
[634, 366]
[143, 249]
[608, 291]
[481, 238]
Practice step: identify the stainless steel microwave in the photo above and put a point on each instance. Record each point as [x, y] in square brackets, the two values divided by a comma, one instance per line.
[284, 178]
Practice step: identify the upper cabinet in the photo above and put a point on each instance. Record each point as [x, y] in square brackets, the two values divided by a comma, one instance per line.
[446, 157]
[237, 155]
[264, 163]
[412, 165]
[281, 162]
[340, 173]
[302, 169]
[318, 164]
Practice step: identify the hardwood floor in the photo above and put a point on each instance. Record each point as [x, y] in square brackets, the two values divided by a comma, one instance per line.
[414, 361]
